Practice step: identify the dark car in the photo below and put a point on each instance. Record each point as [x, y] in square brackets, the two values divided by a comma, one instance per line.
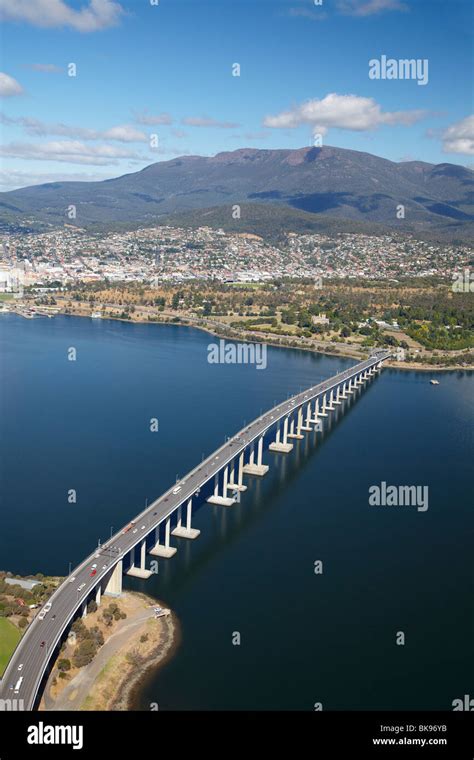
[42, 643]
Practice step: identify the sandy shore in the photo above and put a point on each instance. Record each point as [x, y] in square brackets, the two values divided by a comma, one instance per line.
[132, 649]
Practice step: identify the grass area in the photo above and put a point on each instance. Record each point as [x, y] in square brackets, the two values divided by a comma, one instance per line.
[9, 636]
[6, 296]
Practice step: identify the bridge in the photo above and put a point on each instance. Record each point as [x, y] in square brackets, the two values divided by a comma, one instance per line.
[171, 515]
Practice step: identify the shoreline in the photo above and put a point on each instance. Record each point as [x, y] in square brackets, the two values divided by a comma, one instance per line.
[128, 691]
[132, 653]
[349, 354]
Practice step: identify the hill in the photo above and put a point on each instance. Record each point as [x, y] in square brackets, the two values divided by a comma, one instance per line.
[342, 184]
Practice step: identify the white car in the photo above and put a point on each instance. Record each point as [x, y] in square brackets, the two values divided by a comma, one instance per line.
[143, 527]
[81, 587]
[104, 567]
[177, 490]
[134, 531]
[94, 566]
[71, 580]
[41, 615]
[47, 607]
[20, 667]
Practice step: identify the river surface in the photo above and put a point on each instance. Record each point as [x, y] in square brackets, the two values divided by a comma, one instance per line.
[305, 637]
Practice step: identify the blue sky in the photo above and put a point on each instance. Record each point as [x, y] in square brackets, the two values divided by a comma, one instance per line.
[165, 70]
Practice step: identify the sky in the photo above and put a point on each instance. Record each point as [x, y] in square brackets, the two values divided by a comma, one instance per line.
[94, 89]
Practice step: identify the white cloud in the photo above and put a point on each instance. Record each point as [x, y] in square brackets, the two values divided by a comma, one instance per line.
[206, 121]
[45, 68]
[96, 15]
[11, 179]
[120, 133]
[251, 136]
[369, 7]
[150, 120]
[313, 14]
[9, 86]
[69, 151]
[124, 133]
[459, 137]
[343, 112]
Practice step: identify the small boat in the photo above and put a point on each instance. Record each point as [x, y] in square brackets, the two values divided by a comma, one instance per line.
[434, 382]
[96, 315]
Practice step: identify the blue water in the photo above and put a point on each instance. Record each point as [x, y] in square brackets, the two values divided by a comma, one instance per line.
[304, 638]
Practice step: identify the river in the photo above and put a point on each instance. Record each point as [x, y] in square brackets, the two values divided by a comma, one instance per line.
[78, 459]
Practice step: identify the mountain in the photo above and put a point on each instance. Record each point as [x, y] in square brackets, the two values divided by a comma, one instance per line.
[339, 183]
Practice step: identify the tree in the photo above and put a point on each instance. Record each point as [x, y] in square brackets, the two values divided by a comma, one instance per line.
[107, 617]
[92, 606]
[23, 622]
[84, 653]
[64, 664]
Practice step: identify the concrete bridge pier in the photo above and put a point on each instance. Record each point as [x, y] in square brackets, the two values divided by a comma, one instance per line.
[307, 426]
[337, 400]
[301, 423]
[281, 446]
[331, 401]
[314, 420]
[344, 392]
[323, 412]
[185, 531]
[163, 550]
[224, 500]
[98, 595]
[257, 468]
[292, 433]
[84, 609]
[141, 571]
[114, 584]
[239, 486]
